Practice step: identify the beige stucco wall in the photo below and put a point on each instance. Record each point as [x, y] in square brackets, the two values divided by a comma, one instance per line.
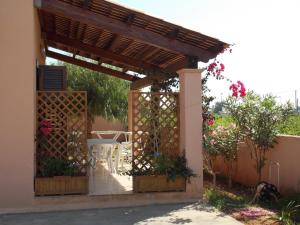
[286, 152]
[20, 47]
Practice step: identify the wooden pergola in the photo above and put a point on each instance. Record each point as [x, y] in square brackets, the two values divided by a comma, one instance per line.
[106, 34]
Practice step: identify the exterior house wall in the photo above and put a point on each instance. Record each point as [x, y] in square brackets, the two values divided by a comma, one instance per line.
[286, 152]
[20, 48]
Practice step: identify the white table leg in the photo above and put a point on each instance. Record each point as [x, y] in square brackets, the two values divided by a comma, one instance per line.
[117, 158]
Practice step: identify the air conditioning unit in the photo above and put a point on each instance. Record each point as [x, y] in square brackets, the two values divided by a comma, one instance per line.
[52, 78]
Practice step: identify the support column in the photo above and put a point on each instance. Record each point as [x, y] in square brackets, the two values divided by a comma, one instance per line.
[191, 125]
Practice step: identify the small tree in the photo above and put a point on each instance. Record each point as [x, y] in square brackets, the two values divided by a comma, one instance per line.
[106, 95]
[223, 141]
[218, 107]
[259, 119]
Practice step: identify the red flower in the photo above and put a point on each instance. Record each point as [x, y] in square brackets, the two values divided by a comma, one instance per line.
[222, 67]
[210, 122]
[45, 131]
[238, 89]
[211, 66]
[45, 127]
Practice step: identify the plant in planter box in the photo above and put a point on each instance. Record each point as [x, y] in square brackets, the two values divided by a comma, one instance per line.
[171, 166]
[59, 176]
[165, 173]
[58, 167]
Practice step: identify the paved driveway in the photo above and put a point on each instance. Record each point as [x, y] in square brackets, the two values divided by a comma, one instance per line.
[151, 215]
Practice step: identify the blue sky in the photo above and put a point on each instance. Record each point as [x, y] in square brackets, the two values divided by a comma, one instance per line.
[265, 34]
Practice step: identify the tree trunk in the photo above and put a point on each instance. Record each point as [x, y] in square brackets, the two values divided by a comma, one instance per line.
[230, 175]
[89, 126]
[259, 177]
[229, 181]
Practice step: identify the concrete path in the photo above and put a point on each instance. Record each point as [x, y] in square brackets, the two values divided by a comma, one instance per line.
[151, 215]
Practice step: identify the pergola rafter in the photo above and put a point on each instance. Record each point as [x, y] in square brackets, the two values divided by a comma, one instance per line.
[91, 66]
[100, 52]
[112, 34]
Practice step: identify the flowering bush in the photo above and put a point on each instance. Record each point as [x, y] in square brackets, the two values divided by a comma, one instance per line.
[259, 119]
[216, 69]
[223, 141]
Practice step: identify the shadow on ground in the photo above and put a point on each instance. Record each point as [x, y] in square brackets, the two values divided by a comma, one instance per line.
[197, 213]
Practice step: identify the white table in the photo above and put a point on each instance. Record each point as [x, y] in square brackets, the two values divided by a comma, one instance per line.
[105, 147]
[116, 134]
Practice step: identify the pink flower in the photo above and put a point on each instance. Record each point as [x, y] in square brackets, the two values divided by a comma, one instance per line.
[45, 127]
[216, 68]
[254, 212]
[210, 122]
[238, 89]
[46, 131]
[222, 67]
[211, 66]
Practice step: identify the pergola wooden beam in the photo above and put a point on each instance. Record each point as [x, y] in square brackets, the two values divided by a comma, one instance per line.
[183, 63]
[141, 83]
[121, 28]
[100, 52]
[145, 82]
[86, 3]
[112, 44]
[91, 66]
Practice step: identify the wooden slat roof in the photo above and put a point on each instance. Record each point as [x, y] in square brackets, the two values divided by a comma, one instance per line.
[121, 36]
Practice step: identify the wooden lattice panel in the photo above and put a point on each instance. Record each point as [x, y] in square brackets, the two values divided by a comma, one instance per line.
[155, 127]
[67, 112]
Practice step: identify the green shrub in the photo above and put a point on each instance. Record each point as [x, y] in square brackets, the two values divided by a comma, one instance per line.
[57, 167]
[223, 201]
[291, 126]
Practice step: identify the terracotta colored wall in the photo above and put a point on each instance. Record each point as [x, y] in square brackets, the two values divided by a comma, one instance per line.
[101, 124]
[20, 45]
[286, 152]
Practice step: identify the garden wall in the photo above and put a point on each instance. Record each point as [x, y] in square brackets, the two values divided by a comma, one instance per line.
[286, 152]
[102, 124]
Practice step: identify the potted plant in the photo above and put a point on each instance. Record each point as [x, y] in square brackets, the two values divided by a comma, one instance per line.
[60, 176]
[166, 173]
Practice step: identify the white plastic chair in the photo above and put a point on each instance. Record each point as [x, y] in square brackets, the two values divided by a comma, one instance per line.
[126, 149]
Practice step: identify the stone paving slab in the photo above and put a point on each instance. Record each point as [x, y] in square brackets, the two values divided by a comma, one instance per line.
[192, 214]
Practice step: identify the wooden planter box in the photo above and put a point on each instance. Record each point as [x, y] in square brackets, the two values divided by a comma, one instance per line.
[158, 183]
[61, 185]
